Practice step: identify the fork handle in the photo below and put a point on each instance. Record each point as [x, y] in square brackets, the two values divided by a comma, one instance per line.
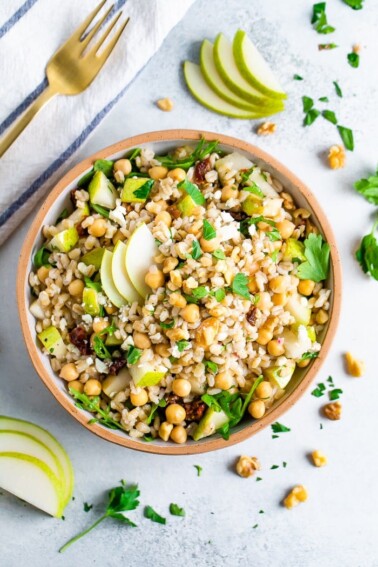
[16, 130]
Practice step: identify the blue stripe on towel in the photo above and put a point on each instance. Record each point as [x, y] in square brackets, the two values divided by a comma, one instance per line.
[23, 106]
[16, 17]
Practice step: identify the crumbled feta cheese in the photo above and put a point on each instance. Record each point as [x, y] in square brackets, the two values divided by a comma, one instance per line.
[101, 367]
[228, 232]
[118, 214]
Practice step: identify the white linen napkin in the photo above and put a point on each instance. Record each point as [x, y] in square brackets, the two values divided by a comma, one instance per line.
[30, 32]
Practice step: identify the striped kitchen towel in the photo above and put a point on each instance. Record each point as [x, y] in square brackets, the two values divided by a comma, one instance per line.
[30, 32]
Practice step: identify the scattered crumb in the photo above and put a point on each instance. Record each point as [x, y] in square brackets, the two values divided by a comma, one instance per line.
[336, 157]
[87, 507]
[266, 129]
[296, 495]
[246, 466]
[354, 367]
[333, 410]
[199, 469]
[356, 48]
[165, 104]
[319, 459]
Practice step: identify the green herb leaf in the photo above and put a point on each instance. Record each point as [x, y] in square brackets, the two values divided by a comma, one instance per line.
[133, 355]
[134, 153]
[210, 365]
[196, 250]
[335, 394]
[200, 152]
[93, 405]
[87, 507]
[200, 292]
[307, 102]
[150, 513]
[240, 286]
[318, 392]
[255, 526]
[63, 215]
[91, 284]
[317, 253]
[324, 99]
[367, 254]
[273, 467]
[100, 210]
[353, 59]
[181, 345]
[104, 165]
[41, 257]
[254, 189]
[355, 4]
[219, 254]
[319, 19]
[208, 230]
[85, 179]
[274, 255]
[175, 510]
[100, 348]
[347, 137]
[297, 78]
[327, 46]
[338, 89]
[368, 188]
[192, 190]
[330, 116]
[219, 295]
[199, 469]
[279, 428]
[144, 191]
[309, 355]
[169, 325]
[310, 117]
[154, 409]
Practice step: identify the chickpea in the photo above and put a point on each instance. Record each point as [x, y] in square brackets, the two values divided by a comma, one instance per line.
[190, 313]
[99, 325]
[76, 288]
[252, 284]
[303, 363]
[306, 287]
[276, 348]
[177, 174]
[177, 300]
[154, 279]
[279, 284]
[163, 350]
[77, 386]
[256, 409]
[264, 390]
[319, 459]
[223, 381]
[158, 172]
[97, 228]
[141, 340]
[176, 278]
[169, 264]
[139, 399]
[110, 309]
[209, 245]
[92, 387]
[165, 430]
[264, 301]
[164, 217]
[179, 434]
[175, 414]
[229, 192]
[285, 228]
[321, 317]
[123, 165]
[118, 236]
[42, 273]
[279, 298]
[264, 336]
[68, 372]
[181, 387]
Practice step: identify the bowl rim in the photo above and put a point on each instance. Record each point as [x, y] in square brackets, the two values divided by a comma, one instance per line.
[207, 444]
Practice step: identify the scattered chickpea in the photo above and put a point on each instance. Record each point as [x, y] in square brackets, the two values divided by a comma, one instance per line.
[276, 348]
[247, 466]
[264, 390]
[209, 245]
[77, 386]
[266, 129]
[296, 495]
[321, 317]
[355, 367]
[154, 279]
[99, 325]
[92, 387]
[139, 399]
[285, 228]
[306, 287]
[97, 228]
[181, 387]
[256, 409]
[158, 172]
[163, 350]
[141, 340]
[223, 381]
[177, 174]
[165, 430]
[165, 104]
[333, 410]
[190, 313]
[279, 299]
[76, 288]
[179, 434]
[42, 273]
[336, 157]
[319, 458]
[164, 217]
[175, 414]
[229, 192]
[68, 372]
[169, 264]
[123, 165]
[177, 300]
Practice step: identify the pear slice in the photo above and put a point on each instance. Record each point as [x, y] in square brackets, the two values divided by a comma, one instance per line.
[120, 275]
[65, 240]
[102, 191]
[228, 70]
[215, 82]
[53, 342]
[210, 423]
[93, 258]
[145, 375]
[254, 68]
[114, 383]
[90, 302]
[31, 480]
[297, 306]
[280, 376]
[107, 280]
[44, 437]
[140, 251]
[203, 93]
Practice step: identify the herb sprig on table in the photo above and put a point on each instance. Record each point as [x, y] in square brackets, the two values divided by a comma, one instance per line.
[319, 19]
[368, 188]
[367, 253]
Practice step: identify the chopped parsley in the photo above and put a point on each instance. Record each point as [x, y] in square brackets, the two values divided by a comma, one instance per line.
[338, 89]
[279, 428]
[261, 512]
[353, 59]
[175, 510]
[309, 355]
[307, 103]
[144, 191]
[311, 114]
[335, 394]
[347, 137]
[150, 514]
[87, 507]
[255, 526]
[169, 325]
[318, 392]
[297, 78]
[182, 345]
[92, 405]
[100, 348]
[239, 286]
[219, 254]
[200, 292]
[211, 366]
[354, 4]
[192, 190]
[208, 230]
[319, 19]
[199, 469]
[219, 294]
[316, 265]
[274, 255]
[196, 250]
[154, 408]
[284, 464]
[368, 188]
[41, 257]
[258, 478]
[324, 99]
[133, 355]
[273, 467]
[327, 46]
[367, 254]
[330, 116]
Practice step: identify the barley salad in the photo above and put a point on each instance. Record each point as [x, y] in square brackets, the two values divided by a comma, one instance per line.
[180, 293]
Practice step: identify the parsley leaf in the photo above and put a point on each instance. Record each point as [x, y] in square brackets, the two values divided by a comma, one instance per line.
[324, 99]
[210, 365]
[347, 137]
[219, 254]
[41, 257]
[100, 348]
[335, 394]
[192, 190]
[92, 405]
[219, 294]
[297, 78]
[154, 409]
[307, 102]
[330, 116]
[202, 149]
[199, 469]
[338, 89]
[196, 250]
[208, 230]
[181, 345]
[175, 510]
[318, 392]
[354, 4]
[121, 499]
[310, 117]
[133, 355]
[353, 59]
[368, 188]
[87, 507]
[317, 264]
[319, 19]
[279, 428]
[169, 325]
[200, 292]
[144, 191]
[367, 254]
[240, 286]
[150, 514]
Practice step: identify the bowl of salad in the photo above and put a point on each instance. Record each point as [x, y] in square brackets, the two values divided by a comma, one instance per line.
[178, 291]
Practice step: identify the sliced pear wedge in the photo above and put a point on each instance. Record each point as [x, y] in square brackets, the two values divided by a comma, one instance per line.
[107, 280]
[120, 276]
[140, 251]
[254, 68]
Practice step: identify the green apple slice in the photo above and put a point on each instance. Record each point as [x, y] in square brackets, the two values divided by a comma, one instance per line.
[13, 424]
[114, 383]
[101, 191]
[65, 240]
[146, 374]
[31, 480]
[203, 93]
[53, 342]
[93, 258]
[216, 83]
[107, 280]
[139, 256]
[254, 68]
[228, 70]
[120, 275]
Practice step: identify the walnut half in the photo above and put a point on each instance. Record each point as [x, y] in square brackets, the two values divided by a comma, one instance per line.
[332, 411]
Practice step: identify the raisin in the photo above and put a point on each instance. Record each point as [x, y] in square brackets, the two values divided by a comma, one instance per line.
[72, 196]
[172, 399]
[79, 338]
[200, 170]
[117, 364]
[80, 230]
[251, 315]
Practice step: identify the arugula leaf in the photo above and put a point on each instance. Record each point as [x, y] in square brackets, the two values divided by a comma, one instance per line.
[212, 366]
[310, 117]
[307, 103]
[327, 46]
[91, 284]
[175, 510]
[134, 153]
[240, 286]
[219, 254]
[169, 325]
[309, 355]
[92, 405]
[317, 264]
[297, 78]
[199, 469]
[367, 254]
[319, 19]
[144, 191]
[192, 190]
[368, 188]
[324, 99]
[347, 137]
[63, 215]
[330, 116]
[150, 514]
[354, 4]
[181, 345]
[104, 165]
[255, 189]
[100, 348]
[338, 89]
[196, 250]
[208, 230]
[121, 499]
[154, 409]
[353, 59]
[202, 149]
[100, 210]
[133, 355]
[41, 257]
[279, 428]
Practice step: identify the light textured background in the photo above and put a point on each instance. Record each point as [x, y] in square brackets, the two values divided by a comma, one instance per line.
[339, 523]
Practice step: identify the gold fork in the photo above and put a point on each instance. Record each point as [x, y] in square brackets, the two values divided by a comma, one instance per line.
[71, 69]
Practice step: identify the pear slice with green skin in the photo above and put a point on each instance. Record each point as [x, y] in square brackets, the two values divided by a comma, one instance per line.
[280, 375]
[53, 342]
[90, 302]
[42, 435]
[107, 282]
[75, 217]
[65, 240]
[254, 68]
[203, 93]
[139, 257]
[31, 480]
[93, 258]
[216, 83]
[145, 375]
[210, 423]
[114, 383]
[101, 191]
[120, 275]
[228, 70]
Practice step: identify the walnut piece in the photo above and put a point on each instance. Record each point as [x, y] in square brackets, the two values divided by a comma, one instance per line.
[336, 157]
[266, 129]
[319, 459]
[246, 466]
[354, 367]
[165, 104]
[296, 495]
[333, 410]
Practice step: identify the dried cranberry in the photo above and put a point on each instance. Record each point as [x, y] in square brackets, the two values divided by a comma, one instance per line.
[172, 399]
[194, 410]
[251, 315]
[81, 230]
[79, 338]
[173, 211]
[238, 215]
[200, 170]
[117, 364]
